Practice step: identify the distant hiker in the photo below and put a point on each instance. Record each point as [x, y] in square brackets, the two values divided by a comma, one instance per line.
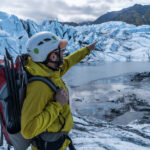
[46, 117]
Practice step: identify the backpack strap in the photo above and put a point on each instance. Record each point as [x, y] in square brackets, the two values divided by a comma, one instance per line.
[46, 81]
[39, 143]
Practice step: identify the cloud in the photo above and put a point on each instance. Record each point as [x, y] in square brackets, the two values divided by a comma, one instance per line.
[64, 10]
[46, 9]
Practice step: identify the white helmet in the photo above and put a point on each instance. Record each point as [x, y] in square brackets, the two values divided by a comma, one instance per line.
[41, 44]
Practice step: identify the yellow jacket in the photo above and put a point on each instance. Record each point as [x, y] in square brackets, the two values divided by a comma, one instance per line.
[40, 113]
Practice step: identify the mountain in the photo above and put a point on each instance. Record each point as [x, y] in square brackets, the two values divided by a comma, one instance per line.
[69, 23]
[117, 41]
[137, 15]
[85, 23]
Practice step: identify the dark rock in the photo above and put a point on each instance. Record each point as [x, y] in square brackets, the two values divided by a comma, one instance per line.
[141, 76]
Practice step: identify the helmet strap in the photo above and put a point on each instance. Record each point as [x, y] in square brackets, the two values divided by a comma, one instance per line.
[57, 63]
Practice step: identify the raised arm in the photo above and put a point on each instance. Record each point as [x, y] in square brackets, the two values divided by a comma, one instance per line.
[76, 57]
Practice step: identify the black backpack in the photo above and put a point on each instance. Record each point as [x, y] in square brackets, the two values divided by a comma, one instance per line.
[13, 83]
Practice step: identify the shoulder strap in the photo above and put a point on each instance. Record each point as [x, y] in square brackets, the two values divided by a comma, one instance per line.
[46, 81]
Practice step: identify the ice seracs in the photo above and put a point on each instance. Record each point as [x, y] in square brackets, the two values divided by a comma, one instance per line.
[117, 41]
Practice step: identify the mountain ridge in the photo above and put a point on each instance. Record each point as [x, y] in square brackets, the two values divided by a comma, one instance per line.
[137, 15]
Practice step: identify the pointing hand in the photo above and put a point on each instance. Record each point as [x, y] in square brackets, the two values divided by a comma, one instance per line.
[92, 46]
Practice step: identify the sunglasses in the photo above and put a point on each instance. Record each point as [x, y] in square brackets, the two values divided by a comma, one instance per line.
[56, 51]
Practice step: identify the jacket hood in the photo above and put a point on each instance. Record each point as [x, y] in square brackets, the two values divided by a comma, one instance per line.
[39, 69]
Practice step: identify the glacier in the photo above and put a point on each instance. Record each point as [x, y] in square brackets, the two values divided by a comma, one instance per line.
[117, 41]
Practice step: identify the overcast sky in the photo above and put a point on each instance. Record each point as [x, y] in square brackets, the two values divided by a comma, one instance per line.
[65, 10]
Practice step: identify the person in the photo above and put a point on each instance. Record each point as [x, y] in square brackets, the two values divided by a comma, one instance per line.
[45, 114]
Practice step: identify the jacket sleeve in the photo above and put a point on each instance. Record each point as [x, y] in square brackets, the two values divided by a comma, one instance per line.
[74, 58]
[39, 110]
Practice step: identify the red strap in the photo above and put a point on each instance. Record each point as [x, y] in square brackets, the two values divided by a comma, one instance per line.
[1, 61]
[2, 78]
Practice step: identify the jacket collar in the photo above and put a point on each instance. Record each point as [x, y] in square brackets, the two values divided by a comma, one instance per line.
[39, 69]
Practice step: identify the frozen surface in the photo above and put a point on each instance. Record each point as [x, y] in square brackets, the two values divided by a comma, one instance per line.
[111, 116]
[117, 41]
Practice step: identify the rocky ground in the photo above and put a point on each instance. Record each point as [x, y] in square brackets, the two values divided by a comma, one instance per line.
[112, 114]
